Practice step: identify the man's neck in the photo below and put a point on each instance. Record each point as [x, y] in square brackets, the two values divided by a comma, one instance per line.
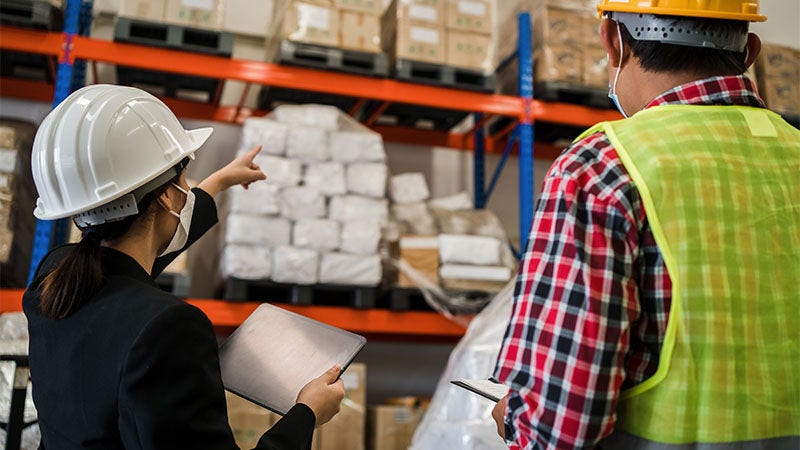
[649, 85]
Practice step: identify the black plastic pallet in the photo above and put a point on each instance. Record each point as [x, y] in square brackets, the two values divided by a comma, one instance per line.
[175, 37]
[37, 14]
[401, 114]
[163, 84]
[335, 59]
[27, 65]
[319, 294]
[444, 76]
[554, 91]
[404, 299]
[271, 97]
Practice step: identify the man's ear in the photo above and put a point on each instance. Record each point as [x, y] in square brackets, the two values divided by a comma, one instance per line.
[610, 40]
[753, 49]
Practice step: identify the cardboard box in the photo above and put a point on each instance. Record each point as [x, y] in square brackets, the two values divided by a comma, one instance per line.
[311, 23]
[778, 70]
[422, 254]
[558, 63]
[469, 15]
[420, 42]
[371, 7]
[392, 427]
[782, 95]
[250, 48]
[431, 12]
[204, 14]
[595, 67]
[248, 17]
[151, 10]
[346, 429]
[470, 51]
[248, 421]
[554, 25]
[360, 31]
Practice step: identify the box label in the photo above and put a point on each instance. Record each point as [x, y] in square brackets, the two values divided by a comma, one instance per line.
[315, 16]
[422, 12]
[425, 35]
[472, 8]
[207, 5]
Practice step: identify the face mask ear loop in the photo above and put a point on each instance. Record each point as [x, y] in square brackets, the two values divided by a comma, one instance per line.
[621, 56]
[161, 203]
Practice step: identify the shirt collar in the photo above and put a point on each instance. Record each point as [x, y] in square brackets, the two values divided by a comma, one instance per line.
[118, 263]
[728, 90]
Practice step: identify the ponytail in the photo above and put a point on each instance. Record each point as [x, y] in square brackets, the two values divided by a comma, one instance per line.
[74, 280]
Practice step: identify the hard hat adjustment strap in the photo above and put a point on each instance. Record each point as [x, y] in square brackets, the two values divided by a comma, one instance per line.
[678, 31]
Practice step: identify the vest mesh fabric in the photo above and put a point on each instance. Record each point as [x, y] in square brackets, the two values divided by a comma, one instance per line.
[721, 189]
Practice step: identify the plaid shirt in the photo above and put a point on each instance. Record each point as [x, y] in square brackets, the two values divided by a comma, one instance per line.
[593, 294]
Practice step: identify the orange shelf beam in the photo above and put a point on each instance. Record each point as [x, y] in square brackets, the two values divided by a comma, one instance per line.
[374, 323]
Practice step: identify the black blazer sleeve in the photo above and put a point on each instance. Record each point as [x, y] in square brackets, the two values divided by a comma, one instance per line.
[204, 217]
[171, 394]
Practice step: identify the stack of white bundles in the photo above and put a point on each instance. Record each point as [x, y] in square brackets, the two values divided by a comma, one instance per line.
[246, 262]
[360, 237]
[269, 134]
[409, 188]
[280, 171]
[327, 177]
[478, 222]
[455, 202]
[348, 208]
[317, 234]
[367, 178]
[257, 199]
[474, 250]
[295, 265]
[415, 219]
[302, 202]
[341, 268]
[325, 194]
[307, 144]
[267, 231]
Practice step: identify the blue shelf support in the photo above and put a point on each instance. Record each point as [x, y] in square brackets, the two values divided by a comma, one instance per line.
[77, 19]
[525, 130]
[479, 166]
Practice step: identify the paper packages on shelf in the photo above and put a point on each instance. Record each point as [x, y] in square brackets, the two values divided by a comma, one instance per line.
[247, 229]
[269, 134]
[246, 262]
[302, 202]
[294, 265]
[353, 146]
[348, 208]
[347, 269]
[317, 234]
[465, 249]
[282, 172]
[310, 22]
[367, 178]
[257, 199]
[327, 177]
[361, 237]
[415, 219]
[307, 144]
[409, 188]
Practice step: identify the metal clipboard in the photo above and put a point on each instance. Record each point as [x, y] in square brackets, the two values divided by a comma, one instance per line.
[274, 353]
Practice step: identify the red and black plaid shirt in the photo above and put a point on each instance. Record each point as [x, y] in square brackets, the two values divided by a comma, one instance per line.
[593, 294]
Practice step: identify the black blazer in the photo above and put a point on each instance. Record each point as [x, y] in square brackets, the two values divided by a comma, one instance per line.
[136, 367]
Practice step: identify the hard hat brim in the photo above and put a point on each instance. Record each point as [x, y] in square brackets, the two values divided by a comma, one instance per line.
[662, 11]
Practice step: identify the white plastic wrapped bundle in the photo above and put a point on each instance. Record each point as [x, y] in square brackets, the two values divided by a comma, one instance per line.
[316, 234]
[307, 144]
[280, 171]
[260, 198]
[361, 237]
[356, 270]
[416, 218]
[478, 222]
[328, 177]
[267, 231]
[269, 134]
[409, 188]
[367, 178]
[246, 262]
[455, 202]
[458, 419]
[322, 117]
[475, 250]
[302, 202]
[353, 207]
[470, 272]
[354, 146]
[294, 265]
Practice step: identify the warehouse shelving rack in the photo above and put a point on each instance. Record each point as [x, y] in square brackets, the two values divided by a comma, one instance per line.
[524, 111]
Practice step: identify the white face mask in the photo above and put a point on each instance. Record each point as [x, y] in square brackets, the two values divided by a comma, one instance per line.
[612, 88]
[184, 222]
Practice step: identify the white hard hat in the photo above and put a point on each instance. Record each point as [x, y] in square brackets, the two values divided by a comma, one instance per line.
[101, 144]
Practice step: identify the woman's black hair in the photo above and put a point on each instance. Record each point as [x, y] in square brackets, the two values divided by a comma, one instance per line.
[79, 276]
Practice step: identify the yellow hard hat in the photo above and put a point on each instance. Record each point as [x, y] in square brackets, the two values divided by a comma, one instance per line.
[745, 10]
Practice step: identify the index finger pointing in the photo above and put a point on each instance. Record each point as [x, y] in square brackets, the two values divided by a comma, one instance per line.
[253, 152]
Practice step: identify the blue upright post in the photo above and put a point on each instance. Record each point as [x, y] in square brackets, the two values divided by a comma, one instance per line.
[479, 166]
[49, 233]
[525, 130]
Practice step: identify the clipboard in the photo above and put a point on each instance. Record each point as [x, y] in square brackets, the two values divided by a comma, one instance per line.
[274, 353]
[488, 389]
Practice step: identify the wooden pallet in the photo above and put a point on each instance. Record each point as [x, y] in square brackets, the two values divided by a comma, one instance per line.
[335, 59]
[360, 297]
[444, 76]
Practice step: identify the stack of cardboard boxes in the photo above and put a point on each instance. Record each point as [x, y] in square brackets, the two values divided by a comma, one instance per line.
[456, 33]
[778, 72]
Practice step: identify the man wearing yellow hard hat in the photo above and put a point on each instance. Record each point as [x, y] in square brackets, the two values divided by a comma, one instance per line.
[657, 305]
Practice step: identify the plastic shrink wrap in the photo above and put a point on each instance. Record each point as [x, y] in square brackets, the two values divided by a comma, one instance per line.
[307, 144]
[327, 177]
[295, 265]
[246, 262]
[352, 146]
[475, 250]
[14, 341]
[302, 202]
[316, 234]
[258, 199]
[416, 219]
[280, 171]
[354, 207]
[455, 202]
[409, 188]
[356, 270]
[268, 231]
[361, 237]
[269, 134]
[458, 419]
[322, 117]
[367, 178]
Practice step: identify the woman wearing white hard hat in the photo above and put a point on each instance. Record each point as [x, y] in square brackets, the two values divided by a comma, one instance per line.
[115, 361]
